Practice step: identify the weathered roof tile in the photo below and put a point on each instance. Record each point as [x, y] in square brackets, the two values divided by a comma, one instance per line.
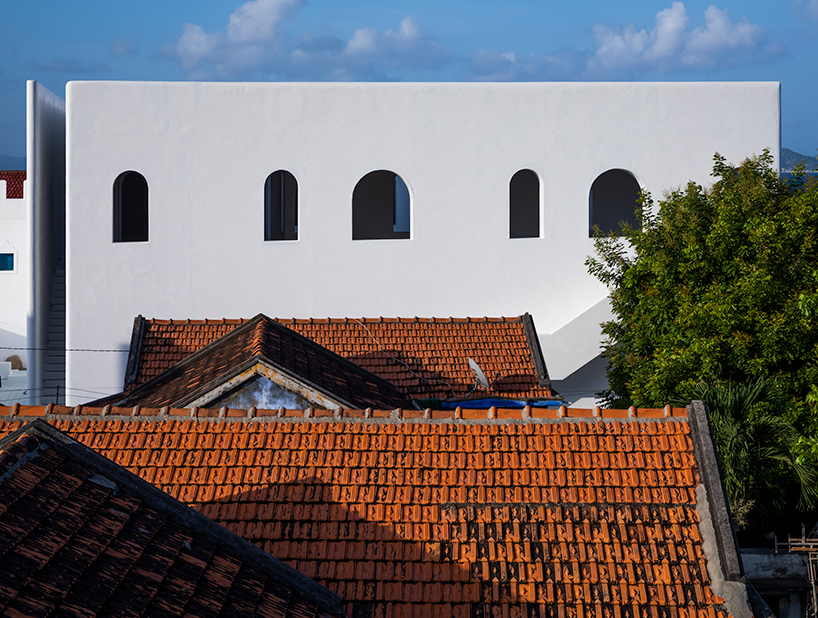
[259, 340]
[422, 357]
[586, 514]
[79, 536]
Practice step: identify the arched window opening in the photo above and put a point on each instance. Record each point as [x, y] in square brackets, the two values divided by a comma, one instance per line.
[613, 199]
[524, 205]
[281, 206]
[380, 207]
[130, 208]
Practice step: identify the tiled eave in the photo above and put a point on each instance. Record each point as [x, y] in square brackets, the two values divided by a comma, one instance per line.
[527, 414]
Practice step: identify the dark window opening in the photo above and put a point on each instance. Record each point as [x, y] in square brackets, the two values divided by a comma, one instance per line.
[130, 208]
[6, 261]
[524, 205]
[614, 199]
[281, 206]
[380, 207]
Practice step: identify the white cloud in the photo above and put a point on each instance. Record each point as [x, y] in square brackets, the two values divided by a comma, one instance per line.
[626, 48]
[255, 43]
[195, 45]
[120, 47]
[250, 42]
[563, 65]
[626, 51]
[363, 41]
[256, 21]
[811, 8]
[722, 41]
[409, 31]
[408, 46]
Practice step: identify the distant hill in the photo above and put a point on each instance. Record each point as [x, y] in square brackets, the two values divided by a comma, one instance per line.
[12, 163]
[789, 159]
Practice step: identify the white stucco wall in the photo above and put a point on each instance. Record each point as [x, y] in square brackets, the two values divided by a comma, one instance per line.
[45, 165]
[14, 284]
[206, 150]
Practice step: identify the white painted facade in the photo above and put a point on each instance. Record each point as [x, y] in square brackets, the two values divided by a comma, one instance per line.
[14, 284]
[207, 148]
[45, 211]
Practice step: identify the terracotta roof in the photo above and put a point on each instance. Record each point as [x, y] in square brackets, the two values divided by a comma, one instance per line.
[14, 183]
[264, 339]
[81, 536]
[548, 513]
[422, 357]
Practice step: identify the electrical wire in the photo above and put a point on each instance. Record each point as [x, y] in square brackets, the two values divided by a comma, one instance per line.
[369, 332]
[59, 349]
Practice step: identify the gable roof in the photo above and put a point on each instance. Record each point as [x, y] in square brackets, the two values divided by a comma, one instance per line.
[14, 183]
[535, 512]
[422, 357]
[264, 340]
[79, 535]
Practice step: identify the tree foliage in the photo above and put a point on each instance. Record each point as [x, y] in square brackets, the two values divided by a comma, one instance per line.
[720, 285]
[757, 450]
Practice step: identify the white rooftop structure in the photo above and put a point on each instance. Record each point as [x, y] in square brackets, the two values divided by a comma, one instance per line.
[208, 200]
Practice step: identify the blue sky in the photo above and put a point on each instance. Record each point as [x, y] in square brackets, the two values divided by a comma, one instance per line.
[412, 40]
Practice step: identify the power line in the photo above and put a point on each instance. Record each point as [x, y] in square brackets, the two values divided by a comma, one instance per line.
[439, 381]
[59, 349]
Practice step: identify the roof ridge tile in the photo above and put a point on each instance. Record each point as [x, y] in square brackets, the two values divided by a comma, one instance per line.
[540, 421]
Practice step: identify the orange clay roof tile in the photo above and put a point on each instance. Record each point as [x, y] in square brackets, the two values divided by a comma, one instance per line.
[262, 339]
[578, 516]
[14, 183]
[80, 536]
[423, 357]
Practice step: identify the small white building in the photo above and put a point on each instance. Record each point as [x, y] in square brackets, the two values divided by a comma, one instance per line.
[14, 266]
[203, 200]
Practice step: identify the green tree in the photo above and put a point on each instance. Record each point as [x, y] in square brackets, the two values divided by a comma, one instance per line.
[720, 285]
[757, 449]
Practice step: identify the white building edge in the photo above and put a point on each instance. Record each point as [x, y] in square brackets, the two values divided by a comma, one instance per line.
[14, 276]
[206, 150]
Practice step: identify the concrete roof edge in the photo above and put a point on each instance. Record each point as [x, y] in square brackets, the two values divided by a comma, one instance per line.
[712, 478]
[725, 567]
[132, 367]
[536, 350]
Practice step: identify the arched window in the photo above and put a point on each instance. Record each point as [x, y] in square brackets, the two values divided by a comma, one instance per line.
[613, 199]
[380, 207]
[524, 205]
[130, 208]
[281, 206]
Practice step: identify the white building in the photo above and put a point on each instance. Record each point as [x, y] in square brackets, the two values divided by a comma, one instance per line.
[195, 200]
[15, 266]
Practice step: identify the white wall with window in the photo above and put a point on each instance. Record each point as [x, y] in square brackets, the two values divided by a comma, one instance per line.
[14, 274]
[445, 246]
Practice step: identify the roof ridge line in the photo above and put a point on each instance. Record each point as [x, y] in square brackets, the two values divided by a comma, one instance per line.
[364, 319]
[180, 366]
[203, 321]
[261, 332]
[531, 415]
